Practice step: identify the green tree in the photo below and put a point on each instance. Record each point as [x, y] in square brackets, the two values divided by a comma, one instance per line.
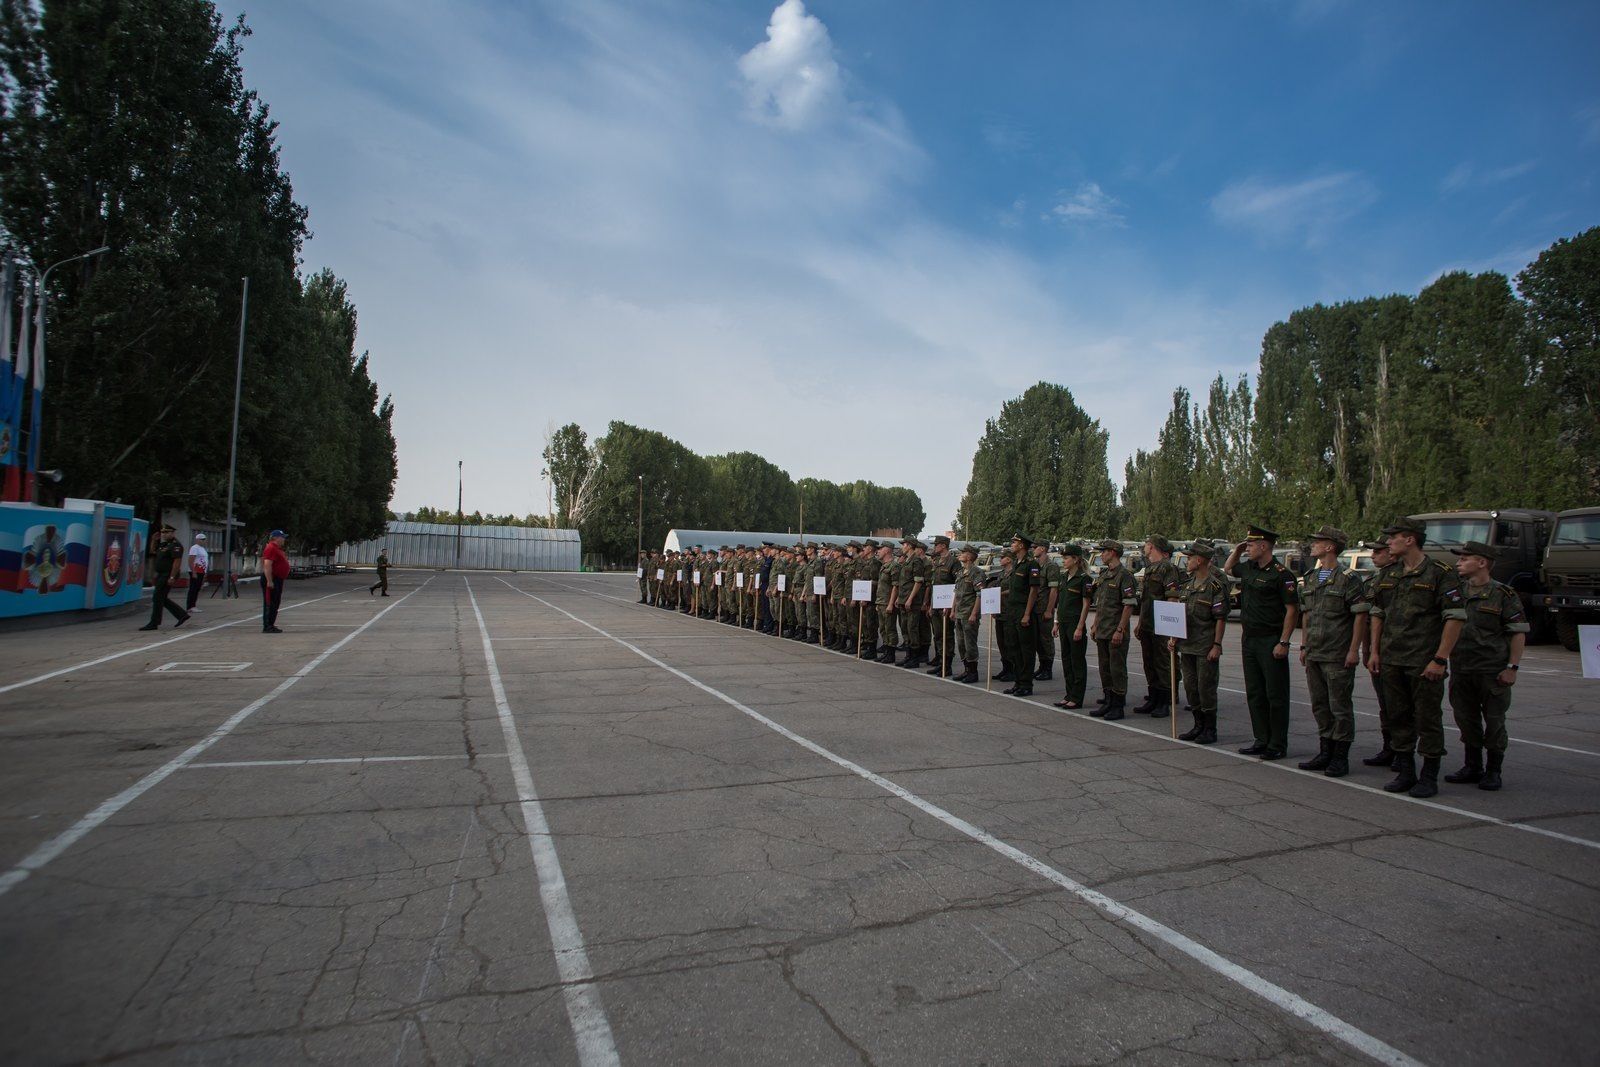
[1562, 290]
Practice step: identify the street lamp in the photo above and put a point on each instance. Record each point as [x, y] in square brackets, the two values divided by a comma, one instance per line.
[458, 514]
[34, 438]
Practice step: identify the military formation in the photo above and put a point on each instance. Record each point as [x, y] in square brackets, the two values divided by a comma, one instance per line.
[1412, 623]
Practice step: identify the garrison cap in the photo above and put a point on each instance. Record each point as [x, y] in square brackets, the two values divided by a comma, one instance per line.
[1477, 548]
[940, 539]
[1027, 542]
[1161, 544]
[1410, 526]
[1261, 533]
[1203, 548]
[1110, 544]
[1071, 549]
[1331, 533]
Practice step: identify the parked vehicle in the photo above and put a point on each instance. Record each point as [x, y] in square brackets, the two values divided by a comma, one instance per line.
[1572, 574]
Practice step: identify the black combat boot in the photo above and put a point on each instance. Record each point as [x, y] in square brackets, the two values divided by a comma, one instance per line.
[869, 650]
[1405, 764]
[849, 646]
[1428, 781]
[1339, 761]
[1104, 698]
[1323, 757]
[1194, 731]
[887, 654]
[918, 657]
[1115, 709]
[1208, 735]
[1005, 676]
[972, 674]
[1148, 703]
[1384, 757]
[1162, 708]
[1101, 706]
[1491, 775]
[1471, 770]
[1044, 674]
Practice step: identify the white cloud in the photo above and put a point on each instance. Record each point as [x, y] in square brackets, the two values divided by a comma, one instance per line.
[792, 77]
[1306, 210]
[1468, 176]
[1090, 204]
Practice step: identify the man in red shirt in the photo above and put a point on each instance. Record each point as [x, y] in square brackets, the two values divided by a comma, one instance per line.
[274, 569]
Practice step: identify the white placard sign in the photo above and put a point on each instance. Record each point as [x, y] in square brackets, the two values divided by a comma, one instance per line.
[638, 572]
[661, 575]
[1171, 620]
[738, 579]
[679, 572]
[944, 596]
[719, 578]
[989, 601]
[783, 583]
[758, 581]
[696, 577]
[1589, 646]
[861, 589]
[819, 586]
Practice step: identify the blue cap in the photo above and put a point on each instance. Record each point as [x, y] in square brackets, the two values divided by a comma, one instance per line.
[276, 533]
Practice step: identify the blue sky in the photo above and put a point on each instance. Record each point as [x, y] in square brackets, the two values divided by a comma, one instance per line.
[841, 234]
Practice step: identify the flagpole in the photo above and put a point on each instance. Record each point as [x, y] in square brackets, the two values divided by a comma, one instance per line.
[233, 443]
[36, 418]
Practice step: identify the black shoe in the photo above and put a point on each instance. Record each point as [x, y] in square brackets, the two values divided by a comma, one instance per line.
[971, 676]
[1114, 709]
[1339, 760]
[151, 626]
[1161, 708]
[1193, 732]
[1384, 757]
[1405, 765]
[1043, 675]
[1428, 781]
[1145, 707]
[271, 630]
[1471, 771]
[1323, 757]
[1272, 754]
[1009, 691]
[1254, 748]
[1005, 676]
[1208, 735]
[1491, 774]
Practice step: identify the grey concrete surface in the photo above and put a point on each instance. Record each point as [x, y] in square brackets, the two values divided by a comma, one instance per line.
[343, 874]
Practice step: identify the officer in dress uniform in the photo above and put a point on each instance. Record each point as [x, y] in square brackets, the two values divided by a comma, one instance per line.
[1044, 611]
[1019, 593]
[1072, 612]
[1267, 612]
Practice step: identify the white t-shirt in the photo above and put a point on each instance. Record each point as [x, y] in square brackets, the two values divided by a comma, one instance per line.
[199, 558]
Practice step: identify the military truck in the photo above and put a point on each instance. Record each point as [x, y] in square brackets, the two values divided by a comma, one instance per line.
[1572, 574]
[1520, 534]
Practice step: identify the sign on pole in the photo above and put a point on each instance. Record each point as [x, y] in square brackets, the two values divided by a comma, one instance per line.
[661, 574]
[944, 596]
[1171, 620]
[989, 601]
[1589, 646]
[638, 572]
[783, 583]
[861, 589]
[819, 586]
[738, 579]
[696, 577]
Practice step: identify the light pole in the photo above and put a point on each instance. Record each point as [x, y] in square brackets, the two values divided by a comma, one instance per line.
[37, 412]
[228, 588]
[458, 514]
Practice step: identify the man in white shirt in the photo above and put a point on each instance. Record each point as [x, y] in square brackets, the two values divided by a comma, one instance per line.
[197, 563]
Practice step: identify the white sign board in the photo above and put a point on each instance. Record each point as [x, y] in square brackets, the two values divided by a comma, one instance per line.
[861, 589]
[989, 601]
[661, 575]
[738, 579]
[638, 572]
[758, 581]
[696, 577]
[719, 578]
[679, 572]
[819, 586]
[783, 583]
[944, 596]
[1589, 646]
[1171, 620]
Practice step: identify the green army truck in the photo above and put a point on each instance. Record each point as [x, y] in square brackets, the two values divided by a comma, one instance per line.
[1520, 534]
[1572, 574]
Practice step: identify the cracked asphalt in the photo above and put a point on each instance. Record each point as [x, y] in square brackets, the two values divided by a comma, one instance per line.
[322, 856]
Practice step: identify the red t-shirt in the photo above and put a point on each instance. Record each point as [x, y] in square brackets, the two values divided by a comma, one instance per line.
[274, 564]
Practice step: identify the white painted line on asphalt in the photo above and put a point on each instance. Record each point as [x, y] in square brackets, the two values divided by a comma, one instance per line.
[339, 759]
[198, 667]
[1275, 994]
[58, 844]
[590, 1028]
[169, 641]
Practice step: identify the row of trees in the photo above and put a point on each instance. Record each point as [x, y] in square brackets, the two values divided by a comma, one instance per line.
[129, 125]
[1467, 395]
[599, 486]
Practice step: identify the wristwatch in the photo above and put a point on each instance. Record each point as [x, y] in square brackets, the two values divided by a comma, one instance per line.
[1509, 667]
[1284, 644]
[1441, 661]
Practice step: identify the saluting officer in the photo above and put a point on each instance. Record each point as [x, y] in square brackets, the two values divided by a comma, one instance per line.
[1205, 609]
[1160, 581]
[1044, 611]
[1333, 606]
[1072, 611]
[1416, 621]
[1019, 590]
[1114, 596]
[1483, 665]
[1267, 612]
[966, 618]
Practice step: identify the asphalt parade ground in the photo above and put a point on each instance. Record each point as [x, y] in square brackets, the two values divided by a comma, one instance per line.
[517, 818]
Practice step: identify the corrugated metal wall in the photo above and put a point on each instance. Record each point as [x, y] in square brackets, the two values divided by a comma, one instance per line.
[504, 548]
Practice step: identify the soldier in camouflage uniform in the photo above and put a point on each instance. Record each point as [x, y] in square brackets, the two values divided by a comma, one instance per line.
[1417, 617]
[883, 600]
[1113, 597]
[911, 598]
[1044, 612]
[942, 570]
[1483, 665]
[965, 618]
[867, 567]
[1205, 600]
[1333, 611]
[1161, 581]
[1384, 757]
[832, 571]
[1072, 612]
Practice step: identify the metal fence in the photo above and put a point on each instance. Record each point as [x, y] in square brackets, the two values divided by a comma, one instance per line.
[504, 548]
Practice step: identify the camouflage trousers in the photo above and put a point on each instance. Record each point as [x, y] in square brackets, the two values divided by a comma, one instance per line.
[967, 644]
[1332, 687]
[1416, 710]
[1480, 704]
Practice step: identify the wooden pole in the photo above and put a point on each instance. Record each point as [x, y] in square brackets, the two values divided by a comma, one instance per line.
[988, 672]
[944, 645]
[783, 600]
[861, 607]
[1174, 680]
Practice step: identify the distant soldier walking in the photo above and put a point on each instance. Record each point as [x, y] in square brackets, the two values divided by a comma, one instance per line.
[1113, 598]
[383, 574]
[1205, 610]
[198, 561]
[274, 569]
[1333, 605]
[1267, 598]
[163, 572]
[1484, 664]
